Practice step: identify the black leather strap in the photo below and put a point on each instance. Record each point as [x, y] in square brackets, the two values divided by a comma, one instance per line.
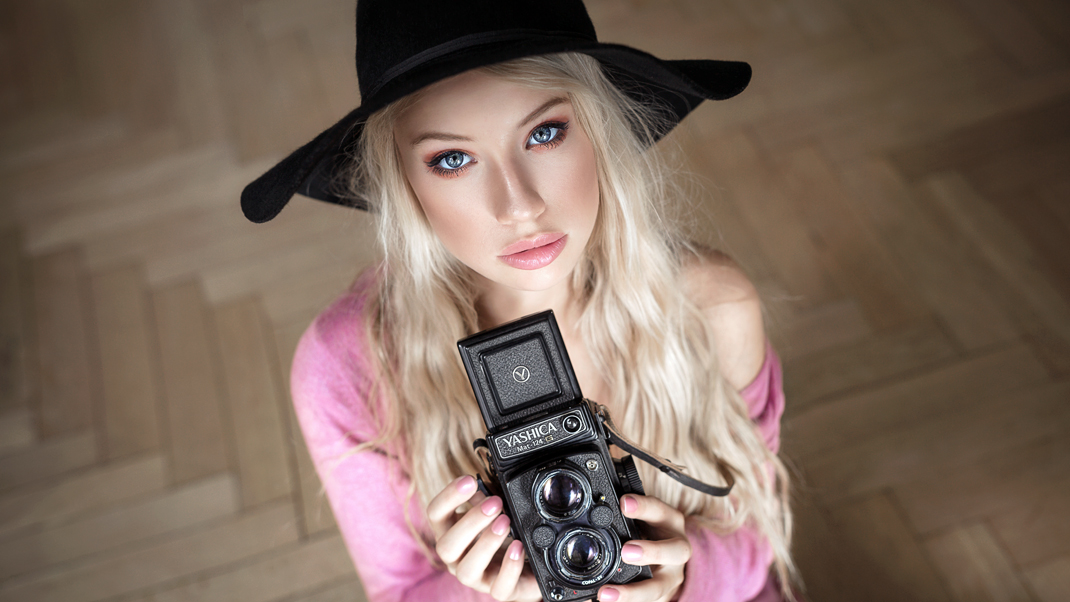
[664, 465]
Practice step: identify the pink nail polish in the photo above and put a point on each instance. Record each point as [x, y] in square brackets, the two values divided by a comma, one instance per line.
[609, 594]
[629, 504]
[500, 526]
[491, 506]
[515, 549]
[466, 484]
[631, 553]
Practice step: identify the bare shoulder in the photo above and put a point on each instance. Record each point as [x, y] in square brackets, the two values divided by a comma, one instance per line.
[731, 304]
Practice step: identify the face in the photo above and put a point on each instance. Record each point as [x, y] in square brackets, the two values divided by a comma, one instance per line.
[505, 175]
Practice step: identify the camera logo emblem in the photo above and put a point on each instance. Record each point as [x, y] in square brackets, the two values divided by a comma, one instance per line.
[521, 374]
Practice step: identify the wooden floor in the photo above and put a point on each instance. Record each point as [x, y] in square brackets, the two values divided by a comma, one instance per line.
[896, 180]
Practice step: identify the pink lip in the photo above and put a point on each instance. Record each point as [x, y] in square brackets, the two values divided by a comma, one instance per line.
[534, 253]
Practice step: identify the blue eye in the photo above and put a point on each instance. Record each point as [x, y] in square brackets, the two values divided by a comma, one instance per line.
[450, 161]
[545, 133]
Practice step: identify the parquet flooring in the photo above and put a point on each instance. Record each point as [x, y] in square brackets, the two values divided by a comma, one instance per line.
[895, 181]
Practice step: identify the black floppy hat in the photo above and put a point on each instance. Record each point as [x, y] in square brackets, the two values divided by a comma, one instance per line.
[405, 45]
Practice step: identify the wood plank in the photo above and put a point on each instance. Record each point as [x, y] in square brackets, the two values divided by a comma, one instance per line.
[974, 566]
[944, 270]
[255, 403]
[349, 590]
[1014, 260]
[833, 567]
[943, 390]
[876, 527]
[877, 358]
[315, 509]
[1015, 33]
[849, 248]
[252, 275]
[60, 502]
[66, 404]
[14, 384]
[49, 458]
[192, 186]
[1037, 530]
[989, 424]
[134, 570]
[801, 331]
[1050, 581]
[119, 525]
[190, 385]
[1014, 482]
[249, 71]
[17, 431]
[737, 163]
[130, 391]
[290, 572]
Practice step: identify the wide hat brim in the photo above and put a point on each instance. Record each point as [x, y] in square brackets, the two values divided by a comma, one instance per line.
[318, 169]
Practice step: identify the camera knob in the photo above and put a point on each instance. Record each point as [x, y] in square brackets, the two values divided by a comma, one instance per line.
[543, 537]
[601, 516]
[632, 483]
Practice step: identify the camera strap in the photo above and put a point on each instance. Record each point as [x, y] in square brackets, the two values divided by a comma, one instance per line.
[664, 465]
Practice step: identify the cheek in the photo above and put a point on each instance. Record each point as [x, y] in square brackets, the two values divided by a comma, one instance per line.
[579, 186]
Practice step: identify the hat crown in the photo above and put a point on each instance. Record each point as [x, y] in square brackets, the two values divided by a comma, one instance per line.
[393, 35]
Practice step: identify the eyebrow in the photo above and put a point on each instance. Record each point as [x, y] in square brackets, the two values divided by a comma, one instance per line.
[439, 136]
[546, 106]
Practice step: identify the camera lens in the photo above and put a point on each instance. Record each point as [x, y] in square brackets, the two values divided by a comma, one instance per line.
[562, 494]
[585, 556]
[581, 552]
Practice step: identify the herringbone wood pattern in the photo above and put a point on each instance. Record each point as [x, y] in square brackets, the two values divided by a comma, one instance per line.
[895, 180]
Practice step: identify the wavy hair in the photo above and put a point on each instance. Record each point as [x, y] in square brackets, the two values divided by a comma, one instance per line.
[643, 334]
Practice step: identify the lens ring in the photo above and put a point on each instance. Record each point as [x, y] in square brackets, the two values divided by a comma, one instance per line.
[561, 494]
[585, 557]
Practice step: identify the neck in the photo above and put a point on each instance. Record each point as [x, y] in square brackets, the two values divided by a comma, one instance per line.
[497, 304]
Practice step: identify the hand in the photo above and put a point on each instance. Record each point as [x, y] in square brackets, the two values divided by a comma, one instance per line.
[666, 555]
[469, 543]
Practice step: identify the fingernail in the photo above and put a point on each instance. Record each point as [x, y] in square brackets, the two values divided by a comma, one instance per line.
[629, 504]
[466, 484]
[631, 552]
[491, 505]
[608, 594]
[515, 549]
[500, 526]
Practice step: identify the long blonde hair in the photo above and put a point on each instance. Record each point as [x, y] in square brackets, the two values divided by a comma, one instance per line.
[643, 334]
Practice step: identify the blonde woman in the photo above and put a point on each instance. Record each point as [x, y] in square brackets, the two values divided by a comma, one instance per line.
[509, 159]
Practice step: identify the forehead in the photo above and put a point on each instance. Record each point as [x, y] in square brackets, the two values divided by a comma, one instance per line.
[472, 100]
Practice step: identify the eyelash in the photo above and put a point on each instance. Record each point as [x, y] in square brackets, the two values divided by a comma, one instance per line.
[560, 126]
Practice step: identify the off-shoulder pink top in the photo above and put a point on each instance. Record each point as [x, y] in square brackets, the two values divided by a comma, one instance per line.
[330, 385]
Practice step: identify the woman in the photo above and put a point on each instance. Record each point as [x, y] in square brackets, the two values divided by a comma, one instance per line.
[508, 158]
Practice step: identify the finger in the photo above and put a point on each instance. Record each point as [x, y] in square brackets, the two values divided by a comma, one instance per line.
[652, 511]
[508, 579]
[455, 541]
[473, 566]
[441, 509]
[676, 550]
[657, 588]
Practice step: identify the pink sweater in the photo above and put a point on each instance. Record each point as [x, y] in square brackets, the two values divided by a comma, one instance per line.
[330, 384]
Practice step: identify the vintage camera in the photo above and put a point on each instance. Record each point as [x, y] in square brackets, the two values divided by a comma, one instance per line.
[549, 457]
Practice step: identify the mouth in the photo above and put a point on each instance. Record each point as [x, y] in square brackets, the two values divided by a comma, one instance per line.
[534, 253]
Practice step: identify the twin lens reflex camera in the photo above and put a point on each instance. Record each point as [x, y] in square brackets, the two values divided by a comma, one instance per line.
[548, 454]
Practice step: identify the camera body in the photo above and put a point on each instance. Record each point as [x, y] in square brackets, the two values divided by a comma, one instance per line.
[549, 458]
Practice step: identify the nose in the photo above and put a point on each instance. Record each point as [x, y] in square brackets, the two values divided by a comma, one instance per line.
[516, 197]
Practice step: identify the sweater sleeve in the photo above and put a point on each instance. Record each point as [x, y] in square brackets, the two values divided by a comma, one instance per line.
[735, 567]
[367, 490]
